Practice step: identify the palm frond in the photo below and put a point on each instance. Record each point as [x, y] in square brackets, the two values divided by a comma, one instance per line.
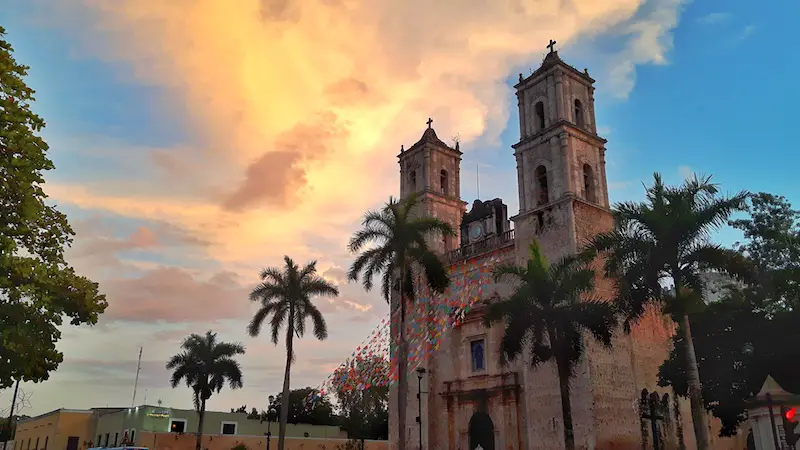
[273, 276]
[254, 328]
[319, 287]
[320, 327]
[434, 270]
[596, 316]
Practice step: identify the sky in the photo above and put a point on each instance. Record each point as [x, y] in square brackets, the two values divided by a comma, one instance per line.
[198, 141]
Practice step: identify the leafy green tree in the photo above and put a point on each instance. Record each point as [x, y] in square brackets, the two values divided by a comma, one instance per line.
[364, 409]
[317, 412]
[285, 297]
[392, 242]
[206, 364]
[666, 240]
[550, 308]
[38, 289]
[772, 234]
[750, 333]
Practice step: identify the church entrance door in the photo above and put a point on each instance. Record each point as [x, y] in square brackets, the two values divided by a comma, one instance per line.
[481, 431]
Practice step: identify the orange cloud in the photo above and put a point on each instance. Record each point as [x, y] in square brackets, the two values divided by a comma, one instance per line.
[303, 104]
[301, 107]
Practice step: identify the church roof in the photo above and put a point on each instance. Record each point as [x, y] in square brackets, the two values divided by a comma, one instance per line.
[430, 137]
[481, 209]
[551, 60]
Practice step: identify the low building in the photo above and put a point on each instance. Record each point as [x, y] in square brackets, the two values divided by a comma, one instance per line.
[160, 428]
[62, 429]
[127, 425]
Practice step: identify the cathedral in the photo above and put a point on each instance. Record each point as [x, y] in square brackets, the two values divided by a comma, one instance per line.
[467, 400]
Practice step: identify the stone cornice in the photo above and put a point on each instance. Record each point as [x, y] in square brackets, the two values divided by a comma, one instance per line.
[559, 127]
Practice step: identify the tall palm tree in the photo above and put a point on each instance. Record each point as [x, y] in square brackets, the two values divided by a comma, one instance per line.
[285, 296]
[392, 243]
[657, 253]
[547, 313]
[206, 364]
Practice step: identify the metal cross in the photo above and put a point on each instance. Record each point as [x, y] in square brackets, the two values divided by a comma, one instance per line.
[429, 122]
[551, 45]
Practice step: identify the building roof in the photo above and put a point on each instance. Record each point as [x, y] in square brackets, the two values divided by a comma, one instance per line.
[551, 60]
[55, 411]
[481, 209]
[430, 137]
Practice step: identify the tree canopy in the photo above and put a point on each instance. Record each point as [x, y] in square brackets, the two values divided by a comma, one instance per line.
[318, 412]
[752, 331]
[364, 410]
[38, 289]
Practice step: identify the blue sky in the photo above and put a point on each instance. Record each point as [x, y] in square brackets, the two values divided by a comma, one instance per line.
[148, 138]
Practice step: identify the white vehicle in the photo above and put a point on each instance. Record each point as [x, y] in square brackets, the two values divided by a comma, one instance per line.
[118, 448]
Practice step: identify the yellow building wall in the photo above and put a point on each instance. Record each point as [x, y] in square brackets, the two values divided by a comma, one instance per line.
[52, 431]
[116, 422]
[172, 441]
[212, 424]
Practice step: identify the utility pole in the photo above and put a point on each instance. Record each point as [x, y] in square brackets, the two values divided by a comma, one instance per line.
[420, 373]
[10, 422]
[136, 382]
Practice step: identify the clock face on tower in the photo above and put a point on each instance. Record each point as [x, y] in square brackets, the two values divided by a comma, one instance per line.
[475, 231]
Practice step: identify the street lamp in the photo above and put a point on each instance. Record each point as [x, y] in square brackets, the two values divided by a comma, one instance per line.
[420, 373]
[749, 350]
[270, 412]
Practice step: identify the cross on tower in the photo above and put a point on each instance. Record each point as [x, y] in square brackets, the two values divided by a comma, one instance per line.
[551, 45]
[429, 122]
[654, 416]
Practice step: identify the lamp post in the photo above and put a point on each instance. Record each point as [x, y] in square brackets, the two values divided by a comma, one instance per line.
[270, 411]
[748, 349]
[420, 373]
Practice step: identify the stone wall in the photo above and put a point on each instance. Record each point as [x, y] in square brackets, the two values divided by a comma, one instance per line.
[173, 441]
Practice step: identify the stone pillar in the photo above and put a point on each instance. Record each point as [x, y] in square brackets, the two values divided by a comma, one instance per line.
[521, 183]
[559, 95]
[426, 169]
[553, 107]
[603, 181]
[592, 117]
[520, 104]
[568, 158]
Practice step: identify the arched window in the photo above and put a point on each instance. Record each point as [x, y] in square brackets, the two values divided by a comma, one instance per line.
[541, 183]
[578, 111]
[588, 183]
[412, 178]
[539, 116]
[443, 181]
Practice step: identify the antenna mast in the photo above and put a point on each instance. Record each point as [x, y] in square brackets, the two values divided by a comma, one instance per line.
[136, 383]
[478, 179]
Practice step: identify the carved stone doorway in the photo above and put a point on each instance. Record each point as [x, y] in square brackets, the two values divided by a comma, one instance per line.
[481, 431]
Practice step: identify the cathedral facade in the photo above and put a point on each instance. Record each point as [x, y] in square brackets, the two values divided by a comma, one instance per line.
[466, 399]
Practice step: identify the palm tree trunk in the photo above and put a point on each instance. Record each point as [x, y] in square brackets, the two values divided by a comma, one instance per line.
[566, 404]
[202, 417]
[285, 396]
[699, 417]
[402, 367]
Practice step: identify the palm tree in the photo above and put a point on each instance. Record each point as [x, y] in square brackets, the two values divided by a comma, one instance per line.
[206, 364]
[547, 313]
[666, 240]
[392, 242]
[285, 296]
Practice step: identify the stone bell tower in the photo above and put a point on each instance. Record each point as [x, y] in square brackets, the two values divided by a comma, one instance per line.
[560, 157]
[563, 198]
[432, 169]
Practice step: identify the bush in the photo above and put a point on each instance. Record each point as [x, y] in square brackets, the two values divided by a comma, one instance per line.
[240, 447]
[351, 444]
